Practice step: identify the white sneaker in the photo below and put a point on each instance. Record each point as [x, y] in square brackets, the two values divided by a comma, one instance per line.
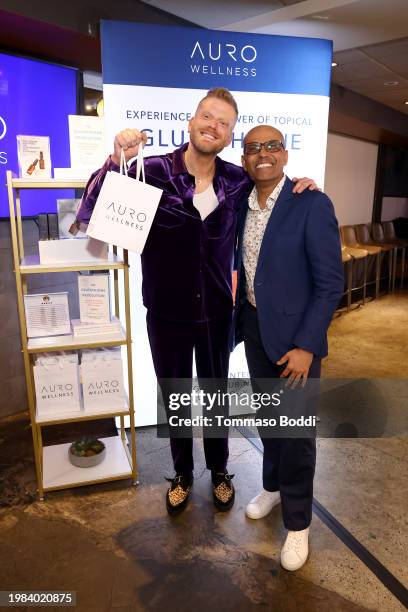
[295, 550]
[262, 504]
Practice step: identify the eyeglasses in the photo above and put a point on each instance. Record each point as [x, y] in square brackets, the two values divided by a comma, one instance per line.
[271, 146]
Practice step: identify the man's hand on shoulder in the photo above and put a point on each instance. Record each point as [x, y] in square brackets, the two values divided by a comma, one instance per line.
[304, 183]
[298, 362]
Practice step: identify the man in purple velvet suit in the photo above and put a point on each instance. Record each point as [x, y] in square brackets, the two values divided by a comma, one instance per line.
[187, 268]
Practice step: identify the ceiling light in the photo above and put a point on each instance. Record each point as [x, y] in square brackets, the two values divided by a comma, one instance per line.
[321, 17]
[391, 83]
[334, 64]
[88, 107]
[100, 108]
[406, 102]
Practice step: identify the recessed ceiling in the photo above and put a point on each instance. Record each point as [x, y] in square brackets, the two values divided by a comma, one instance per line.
[378, 71]
[216, 14]
[369, 36]
[212, 14]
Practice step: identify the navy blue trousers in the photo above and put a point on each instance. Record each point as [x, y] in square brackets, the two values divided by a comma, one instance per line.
[172, 344]
[288, 463]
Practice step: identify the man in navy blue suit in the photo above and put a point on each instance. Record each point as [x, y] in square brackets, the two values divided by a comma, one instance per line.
[290, 280]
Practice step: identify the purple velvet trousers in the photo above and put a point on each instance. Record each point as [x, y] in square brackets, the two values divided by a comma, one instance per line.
[173, 344]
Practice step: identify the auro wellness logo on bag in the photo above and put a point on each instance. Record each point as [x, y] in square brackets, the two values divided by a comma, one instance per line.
[53, 391]
[102, 387]
[125, 215]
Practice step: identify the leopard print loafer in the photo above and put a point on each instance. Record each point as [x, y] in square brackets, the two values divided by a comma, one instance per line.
[223, 490]
[178, 494]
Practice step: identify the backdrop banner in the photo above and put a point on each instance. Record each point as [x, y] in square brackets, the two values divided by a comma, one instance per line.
[154, 76]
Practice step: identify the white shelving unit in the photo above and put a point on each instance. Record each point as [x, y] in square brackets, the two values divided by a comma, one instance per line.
[53, 468]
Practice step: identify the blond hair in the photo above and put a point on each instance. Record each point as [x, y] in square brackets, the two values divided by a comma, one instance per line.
[221, 94]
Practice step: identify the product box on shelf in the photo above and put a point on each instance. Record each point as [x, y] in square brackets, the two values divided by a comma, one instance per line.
[42, 220]
[72, 250]
[102, 379]
[67, 209]
[53, 230]
[56, 380]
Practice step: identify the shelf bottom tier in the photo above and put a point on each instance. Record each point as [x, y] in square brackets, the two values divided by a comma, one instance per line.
[59, 473]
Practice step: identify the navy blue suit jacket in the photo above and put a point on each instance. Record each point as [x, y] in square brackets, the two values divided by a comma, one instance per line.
[299, 276]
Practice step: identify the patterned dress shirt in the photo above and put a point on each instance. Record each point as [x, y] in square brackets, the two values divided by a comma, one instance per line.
[255, 224]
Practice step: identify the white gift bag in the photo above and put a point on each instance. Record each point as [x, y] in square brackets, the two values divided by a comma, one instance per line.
[56, 381]
[102, 380]
[125, 208]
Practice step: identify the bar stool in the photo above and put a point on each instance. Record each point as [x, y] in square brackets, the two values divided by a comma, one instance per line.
[400, 243]
[365, 239]
[347, 261]
[349, 239]
[357, 254]
[378, 237]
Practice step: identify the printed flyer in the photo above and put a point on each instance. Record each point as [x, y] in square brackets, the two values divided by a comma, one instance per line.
[34, 158]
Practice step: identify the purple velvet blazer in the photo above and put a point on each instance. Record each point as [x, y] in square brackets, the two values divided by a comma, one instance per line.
[186, 263]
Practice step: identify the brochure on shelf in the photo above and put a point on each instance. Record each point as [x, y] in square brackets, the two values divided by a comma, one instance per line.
[72, 250]
[94, 298]
[102, 379]
[87, 146]
[87, 142]
[34, 158]
[56, 381]
[47, 314]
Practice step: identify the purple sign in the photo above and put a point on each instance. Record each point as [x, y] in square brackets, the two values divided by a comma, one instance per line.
[35, 99]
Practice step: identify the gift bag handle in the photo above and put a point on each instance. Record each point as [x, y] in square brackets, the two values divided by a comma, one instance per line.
[58, 362]
[139, 164]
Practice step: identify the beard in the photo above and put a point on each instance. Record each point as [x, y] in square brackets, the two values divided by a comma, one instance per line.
[205, 147]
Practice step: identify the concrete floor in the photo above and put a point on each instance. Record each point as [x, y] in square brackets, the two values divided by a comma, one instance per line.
[117, 548]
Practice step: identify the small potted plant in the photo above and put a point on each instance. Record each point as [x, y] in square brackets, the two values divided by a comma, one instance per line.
[87, 452]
